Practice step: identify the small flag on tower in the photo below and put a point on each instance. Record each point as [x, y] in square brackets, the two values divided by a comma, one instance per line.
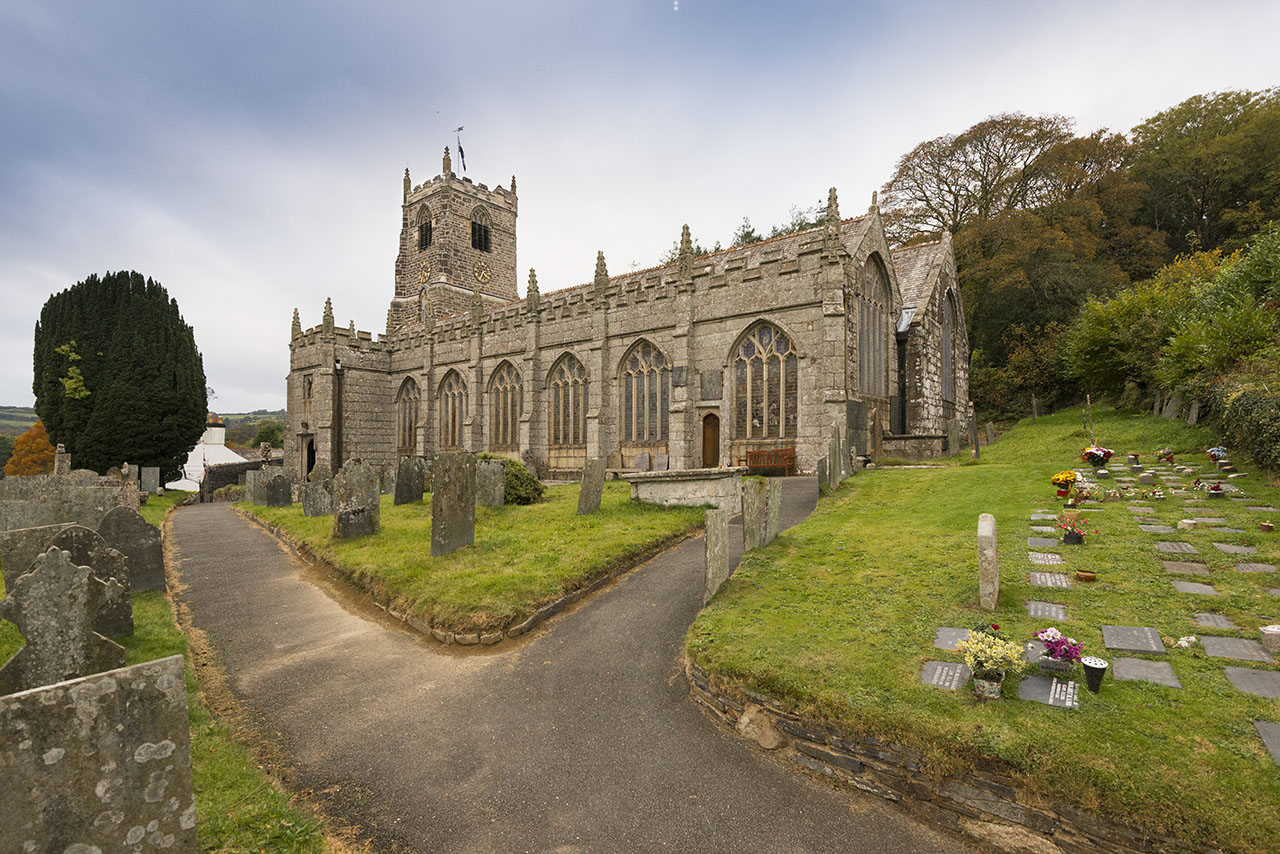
[462, 155]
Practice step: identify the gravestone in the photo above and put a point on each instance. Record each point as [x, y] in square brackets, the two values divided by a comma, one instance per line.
[988, 563]
[279, 491]
[101, 763]
[1042, 542]
[357, 510]
[113, 473]
[1045, 558]
[1255, 567]
[411, 480]
[661, 462]
[592, 488]
[491, 483]
[947, 675]
[991, 433]
[19, 547]
[1214, 621]
[953, 436]
[453, 502]
[1261, 683]
[1183, 567]
[1176, 548]
[1210, 520]
[772, 511]
[1195, 588]
[1239, 648]
[1156, 529]
[1059, 693]
[642, 462]
[255, 487]
[1233, 549]
[824, 475]
[833, 456]
[947, 637]
[1146, 478]
[753, 509]
[151, 479]
[1046, 610]
[1138, 639]
[127, 532]
[317, 498]
[1043, 529]
[1048, 579]
[55, 605]
[1141, 670]
[387, 480]
[717, 552]
[87, 548]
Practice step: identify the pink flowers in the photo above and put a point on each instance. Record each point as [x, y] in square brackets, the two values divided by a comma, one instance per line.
[1059, 647]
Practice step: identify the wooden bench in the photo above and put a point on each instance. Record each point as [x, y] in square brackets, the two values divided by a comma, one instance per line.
[773, 458]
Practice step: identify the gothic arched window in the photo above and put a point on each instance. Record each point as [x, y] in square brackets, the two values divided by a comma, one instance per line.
[453, 410]
[407, 418]
[424, 227]
[948, 345]
[873, 329]
[765, 381]
[480, 229]
[567, 397]
[646, 394]
[504, 408]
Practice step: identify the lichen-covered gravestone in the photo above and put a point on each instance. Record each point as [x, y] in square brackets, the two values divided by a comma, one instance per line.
[356, 495]
[317, 498]
[988, 563]
[55, 606]
[127, 532]
[100, 763]
[411, 480]
[279, 491]
[387, 479]
[772, 511]
[254, 487]
[753, 510]
[20, 546]
[592, 488]
[491, 482]
[453, 502]
[717, 552]
[87, 548]
[150, 479]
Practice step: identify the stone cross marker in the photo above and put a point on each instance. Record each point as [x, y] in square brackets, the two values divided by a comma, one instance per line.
[772, 510]
[491, 483]
[55, 606]
[87, 548]
[717, 552]
[356, 496]
[592, 489]
[127, 532]
[279, 491]
[453, 502]
[753, 510]
[101, 763]
[317, 498]
[411, 480]
[988, 563]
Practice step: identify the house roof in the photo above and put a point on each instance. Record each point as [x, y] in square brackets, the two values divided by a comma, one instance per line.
[918, 267]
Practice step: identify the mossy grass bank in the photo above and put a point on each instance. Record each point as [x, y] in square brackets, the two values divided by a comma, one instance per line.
[523, 557]
[836, 619]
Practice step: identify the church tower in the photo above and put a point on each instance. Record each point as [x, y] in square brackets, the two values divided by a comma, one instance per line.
[457, 238]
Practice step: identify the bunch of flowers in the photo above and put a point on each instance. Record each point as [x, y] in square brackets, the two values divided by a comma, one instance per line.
[988, 653]
[1215, 454]
[1096, 455]
[1215, 487]
[1059, 647]
[1165, 454]
[1074, 524]
[1204, 486]
[1157, 494]
[1064, 480]
[1084, 494]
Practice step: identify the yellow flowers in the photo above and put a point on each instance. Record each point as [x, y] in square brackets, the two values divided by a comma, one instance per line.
[987, 655]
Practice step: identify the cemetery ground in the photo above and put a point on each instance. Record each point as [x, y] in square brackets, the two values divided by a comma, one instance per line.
[836, 619]
[524, 555]
[238, 807]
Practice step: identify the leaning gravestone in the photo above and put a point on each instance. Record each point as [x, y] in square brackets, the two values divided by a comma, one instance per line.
[55, 606]
[151, 479]
[772, 511]
[491, 482]
[87, 548]
[592, 489]
[357, 511]
[100, 763]
[453, 502]
[753, 510]
[127, 532]
[717, 552]
[19, 547]
[317, 498]
[824, 478]
[387, 479]
[279, 491]
[988, 563]
[411, 480]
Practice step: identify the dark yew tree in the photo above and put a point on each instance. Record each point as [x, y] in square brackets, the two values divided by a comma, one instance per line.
[118, 377]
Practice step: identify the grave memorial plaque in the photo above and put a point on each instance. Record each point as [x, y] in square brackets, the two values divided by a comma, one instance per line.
[1193, 587]
[1043, 559]
[1049, 579]
[1046, 610]
[1267, 509]
[1156, 529]
[1211, 520]
[1261, 683]
[947, 638]
[642, 462]
[151, 479]
[1226, 530]
[1043, 529]
[1042, 542]
[1233, 549]
[1184, 567]
[1255, 567]
[1043, 517]
[357, 511]
[1133, 639]
[1141, 670]
[988, 563]
[1176, 548]
[1270, 732]
[1239, 648]
[1059, 693]
[946, 675]
[1214, 621]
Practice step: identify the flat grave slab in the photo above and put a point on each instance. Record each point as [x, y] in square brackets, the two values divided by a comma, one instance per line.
[1183, 567]
[1156, 529]
[1176, 548]
[1043, 529]
[1092, 509]
[1044, 559]
[1233, 549]
[1133, 639]
[1059, 693]
[1241, 648]
[1193, 587]
[947, 675]
[1141, 670]
[1147, 520]
[1140, 508]
[1267, 509]
[1226, 530]
[1260, 683]
[1190, 509]
[1040, 517]
[947, 638]
[1042, 542]
[1275, 591]
[1255, 567]
[1270, 732]
[1049, 579]
[1211, 520]
[1214, 621]
[1047, 610]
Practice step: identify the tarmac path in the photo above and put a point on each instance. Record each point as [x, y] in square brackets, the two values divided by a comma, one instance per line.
[581, 738]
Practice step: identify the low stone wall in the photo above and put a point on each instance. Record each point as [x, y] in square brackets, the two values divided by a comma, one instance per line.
[225, 474]
[46, 499]
[718, 488]
[985, 803]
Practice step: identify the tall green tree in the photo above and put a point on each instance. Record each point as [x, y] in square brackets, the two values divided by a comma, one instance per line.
[6, 449]
[118, 377]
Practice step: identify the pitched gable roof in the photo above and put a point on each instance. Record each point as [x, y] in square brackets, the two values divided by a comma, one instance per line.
[918, 268]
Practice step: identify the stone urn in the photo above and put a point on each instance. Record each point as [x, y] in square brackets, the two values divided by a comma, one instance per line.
[1271, 639]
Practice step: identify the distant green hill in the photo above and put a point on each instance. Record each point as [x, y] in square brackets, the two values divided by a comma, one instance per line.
[15, 420]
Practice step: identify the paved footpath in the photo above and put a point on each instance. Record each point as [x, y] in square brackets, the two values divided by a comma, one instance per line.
[583, 738]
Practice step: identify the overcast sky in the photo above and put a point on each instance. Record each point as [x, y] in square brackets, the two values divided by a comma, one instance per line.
[249, 155]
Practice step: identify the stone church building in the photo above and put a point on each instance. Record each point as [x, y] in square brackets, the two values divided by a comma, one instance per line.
[776, 345]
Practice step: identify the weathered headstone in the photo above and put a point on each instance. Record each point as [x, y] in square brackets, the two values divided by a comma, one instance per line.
[317, 498]
[753, 509]
[411, 480]
[833, 454]
[129, 472]
[55, 606]
[357, 511]
[279, 491]
[1035, 408]
[127, 532]
[661, 462]
[87, 548]
[491, 482]
[113, 473]
[990, 430]
[61, 461]
[1244, 649]
[592, 489]
[99, 763]
[824, 476]
[387, 479]
[150, 479]
[1146, 478]
[642, 462]
[772, 511]
[255, 487]
[319, 473]
[953, 435]
[19, 547]
[988, 563]
[453, 502]
[717, 552]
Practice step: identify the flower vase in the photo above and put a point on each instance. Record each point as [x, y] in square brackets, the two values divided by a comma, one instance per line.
[1072, 538]
[1094, 669]
[988, 689]
[1086, 575]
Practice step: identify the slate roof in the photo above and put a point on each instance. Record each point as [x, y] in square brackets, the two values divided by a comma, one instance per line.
[917, 268]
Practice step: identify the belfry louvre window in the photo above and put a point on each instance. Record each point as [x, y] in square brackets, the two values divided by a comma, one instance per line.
[568, 402]
[453, 410]
[480, 230]
[504, 408]
[873, 329]
[948, 353]
[646, 395]
[765, 382]
[424, 227]
[407, 418]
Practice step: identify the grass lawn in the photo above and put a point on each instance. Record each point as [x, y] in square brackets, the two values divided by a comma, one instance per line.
[523, 557]
[837, 617]
[238, 807]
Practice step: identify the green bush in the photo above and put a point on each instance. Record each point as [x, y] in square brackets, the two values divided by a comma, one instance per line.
[522, 487]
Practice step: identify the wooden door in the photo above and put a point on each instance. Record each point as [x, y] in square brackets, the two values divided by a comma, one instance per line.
[711, 441]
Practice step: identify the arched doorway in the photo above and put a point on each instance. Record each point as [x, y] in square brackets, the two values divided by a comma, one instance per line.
[309, 448]
[710, 440]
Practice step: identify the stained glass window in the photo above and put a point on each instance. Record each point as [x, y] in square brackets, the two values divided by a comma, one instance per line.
[948, 353]
[504, 408]
[568, 403]
[765, 382]
[646, 394]
[407, 418]
[873, 329]
[453, 410]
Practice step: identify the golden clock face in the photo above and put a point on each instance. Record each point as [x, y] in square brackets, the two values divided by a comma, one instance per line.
[482, 272]
[424, 272]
